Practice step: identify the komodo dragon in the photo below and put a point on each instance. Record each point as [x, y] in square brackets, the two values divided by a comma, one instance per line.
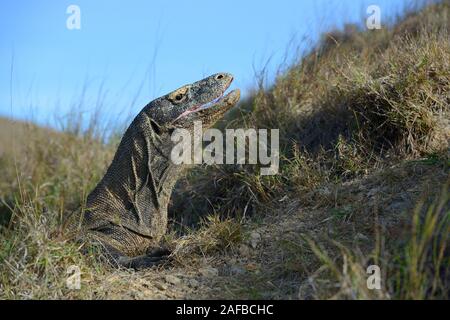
[127, 211]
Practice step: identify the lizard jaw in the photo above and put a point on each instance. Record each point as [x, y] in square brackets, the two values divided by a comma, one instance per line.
[208, 105]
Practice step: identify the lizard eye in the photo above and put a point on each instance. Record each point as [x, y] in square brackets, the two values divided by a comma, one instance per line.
[178, 95]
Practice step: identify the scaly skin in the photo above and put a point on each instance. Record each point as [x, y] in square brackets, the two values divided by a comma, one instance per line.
[127, 210]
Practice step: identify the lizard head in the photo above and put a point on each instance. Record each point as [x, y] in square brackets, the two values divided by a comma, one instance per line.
[204, 101]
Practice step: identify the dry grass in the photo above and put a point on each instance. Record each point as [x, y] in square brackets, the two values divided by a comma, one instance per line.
[214, 235]
[363, 118]
[48, 176]
[416, 266]
[361, 102]
[365, 100]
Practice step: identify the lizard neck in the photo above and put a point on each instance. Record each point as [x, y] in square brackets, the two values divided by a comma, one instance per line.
[136, 189]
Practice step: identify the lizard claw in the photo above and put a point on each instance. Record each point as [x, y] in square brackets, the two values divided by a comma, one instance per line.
[158, 252]
[141, 262]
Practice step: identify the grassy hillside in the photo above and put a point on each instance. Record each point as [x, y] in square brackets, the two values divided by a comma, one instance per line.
[364, 134]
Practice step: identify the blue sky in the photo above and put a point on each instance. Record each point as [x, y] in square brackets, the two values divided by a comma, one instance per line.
[129, 52]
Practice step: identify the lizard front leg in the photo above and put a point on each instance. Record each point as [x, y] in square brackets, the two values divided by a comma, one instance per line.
[154, 257]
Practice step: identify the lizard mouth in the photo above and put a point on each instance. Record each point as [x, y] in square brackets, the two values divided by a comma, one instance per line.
[223, 100]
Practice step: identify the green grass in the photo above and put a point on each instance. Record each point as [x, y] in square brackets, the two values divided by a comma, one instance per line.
[415, 266]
